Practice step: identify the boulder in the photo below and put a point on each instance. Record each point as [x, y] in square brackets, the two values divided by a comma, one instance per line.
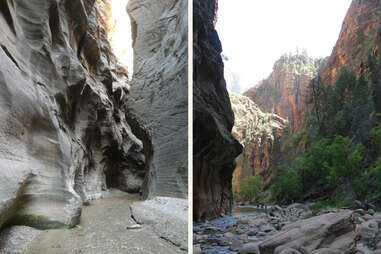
[249, 248]
[327, 251]
[313, 233]
[290, 251]
[367, 229]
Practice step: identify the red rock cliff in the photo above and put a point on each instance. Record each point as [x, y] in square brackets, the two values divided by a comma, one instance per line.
[260, 134]
[285, 91]
[359, 37]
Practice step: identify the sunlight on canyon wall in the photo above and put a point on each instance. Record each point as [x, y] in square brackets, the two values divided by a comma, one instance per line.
[119, 34]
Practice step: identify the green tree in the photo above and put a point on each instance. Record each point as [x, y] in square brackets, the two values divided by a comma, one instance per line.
[250, 188]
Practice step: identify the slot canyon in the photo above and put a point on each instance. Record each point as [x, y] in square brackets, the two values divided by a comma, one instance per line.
[93, 126]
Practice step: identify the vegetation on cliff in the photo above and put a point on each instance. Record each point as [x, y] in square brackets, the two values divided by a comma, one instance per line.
[338, 150]
[260, 134]
[285, 91]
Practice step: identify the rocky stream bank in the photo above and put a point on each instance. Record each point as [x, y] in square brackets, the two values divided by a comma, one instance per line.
[290, 230]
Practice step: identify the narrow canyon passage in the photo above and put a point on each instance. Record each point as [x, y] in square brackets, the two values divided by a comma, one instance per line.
[103, 229]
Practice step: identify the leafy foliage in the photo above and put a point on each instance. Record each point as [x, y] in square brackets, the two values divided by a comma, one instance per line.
[339, 146]
[250, 189]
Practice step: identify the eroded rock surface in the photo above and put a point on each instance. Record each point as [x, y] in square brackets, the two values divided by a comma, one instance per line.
[215, 148]
[285, 92]
[359, 38]
[260, 135]
[70, 127]
[167, 216]
[158, 99]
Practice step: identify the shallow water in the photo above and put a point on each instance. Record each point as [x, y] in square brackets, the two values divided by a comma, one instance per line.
[249, 210]
[221, 224]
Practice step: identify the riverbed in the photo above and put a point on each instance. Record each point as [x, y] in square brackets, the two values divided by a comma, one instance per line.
[211, 234]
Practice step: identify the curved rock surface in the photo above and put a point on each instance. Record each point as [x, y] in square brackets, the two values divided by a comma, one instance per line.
[158, 98]
[215, 148]
[66, 133]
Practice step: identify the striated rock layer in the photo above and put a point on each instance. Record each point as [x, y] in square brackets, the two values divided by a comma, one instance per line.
[260, 135]
[215, 148]
[65, 131]
[285, 91]
[158, 98]
[359, 38]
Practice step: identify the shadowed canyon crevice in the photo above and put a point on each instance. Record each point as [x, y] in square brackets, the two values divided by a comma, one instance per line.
[72, 125]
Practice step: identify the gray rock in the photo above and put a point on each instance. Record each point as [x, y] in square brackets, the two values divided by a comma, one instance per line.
[197, 249]
[367, 229]
[327, 251]
[308, 233]
[290, 251]
[249, 248]
[15, 239]
[135, 226]
[167, 216]
[63, 132]
[158, 99]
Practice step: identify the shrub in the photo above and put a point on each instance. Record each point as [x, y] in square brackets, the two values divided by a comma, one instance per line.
[250, 188]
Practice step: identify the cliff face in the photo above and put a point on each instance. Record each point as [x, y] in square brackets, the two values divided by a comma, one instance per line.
[159, 92]
[285, 91]
[65, 132]
[359, 38]
[260, 135]
[215, 148]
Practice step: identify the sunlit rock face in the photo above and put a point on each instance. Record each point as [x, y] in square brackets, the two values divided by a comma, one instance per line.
[260, 135]
[285, 91]
[158, 99]
[118, 29]
[63, 131]
[214, 147]
[359, 38]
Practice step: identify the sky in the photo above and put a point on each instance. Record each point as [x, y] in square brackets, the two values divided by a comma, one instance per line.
[255, 33]
[121, 37]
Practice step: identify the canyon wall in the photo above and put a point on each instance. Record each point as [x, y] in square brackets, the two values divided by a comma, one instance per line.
[215, 148]
[359, 38]
[158, 98]
[260, 135]
[66, 133]
[285, 91]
